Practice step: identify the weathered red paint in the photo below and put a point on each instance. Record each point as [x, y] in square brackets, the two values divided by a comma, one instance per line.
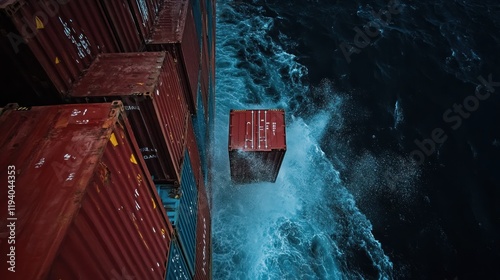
[85, 206]
[122, 24]
[175, 31]
[150, 89]
[65, 38]
[257, 144]
[257, 130]
[203, 268]
[145, 13]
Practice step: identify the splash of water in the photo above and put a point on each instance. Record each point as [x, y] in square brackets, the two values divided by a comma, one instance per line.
[306, 225]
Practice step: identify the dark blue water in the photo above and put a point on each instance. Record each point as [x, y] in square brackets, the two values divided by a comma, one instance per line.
[392, 168]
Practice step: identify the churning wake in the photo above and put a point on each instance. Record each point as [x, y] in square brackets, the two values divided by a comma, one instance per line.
[307, 224]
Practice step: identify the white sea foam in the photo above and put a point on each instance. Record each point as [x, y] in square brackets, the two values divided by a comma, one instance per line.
[289, 229]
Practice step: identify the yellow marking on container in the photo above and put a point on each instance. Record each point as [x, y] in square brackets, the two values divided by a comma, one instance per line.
[144, 241]
[113, 140]
[141, 84]
[39, 23]
[154, 203]
[132, 159]
[57, 61]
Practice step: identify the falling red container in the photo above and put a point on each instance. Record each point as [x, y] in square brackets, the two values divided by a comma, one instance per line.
[203, 268]
[149, 87]
[175, 31]
[257, 144]
[83, 204]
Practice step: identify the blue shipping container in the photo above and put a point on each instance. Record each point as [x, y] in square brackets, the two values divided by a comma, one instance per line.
[200, 130]
[198, 20]
[170, 197]
[188, 212]
[181, 205]
[176, 267]
[211, 103]
[210, 23]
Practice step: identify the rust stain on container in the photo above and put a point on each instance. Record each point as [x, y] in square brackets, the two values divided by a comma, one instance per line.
[257, 144]
[149, 86]
[203, 269]
[82, 209]
[175, 31]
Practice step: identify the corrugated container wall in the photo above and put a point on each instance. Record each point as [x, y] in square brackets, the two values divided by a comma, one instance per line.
[123, 25]
[188, 212]
[205, 75]
[145, 13]
[210, 31]
[175, 31]
[177, 268]
[194, 153]
[85, 206]
[201, 132]
[181, 204]
[209, 22]
[198, 12]
[257, 144]
[203, 238]
[65, 38]
[23, 79]
[151, 91]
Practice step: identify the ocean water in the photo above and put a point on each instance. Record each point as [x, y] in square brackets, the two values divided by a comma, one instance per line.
[393, 140]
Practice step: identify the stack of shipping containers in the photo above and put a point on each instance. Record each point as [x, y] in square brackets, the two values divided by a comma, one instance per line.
[109, 153]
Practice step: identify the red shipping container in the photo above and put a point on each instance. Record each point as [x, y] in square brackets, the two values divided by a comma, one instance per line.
[257, 144]
[23, 79]
[149, 87]
[65, 38]
[81, 204]
[123, 24]
[175, 31]
[145, 13]
[203, 268]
